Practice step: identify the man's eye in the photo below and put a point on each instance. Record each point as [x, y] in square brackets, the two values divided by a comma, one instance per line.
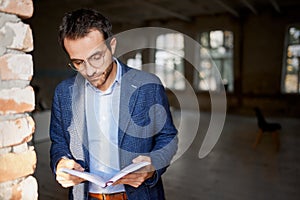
[77, 62]
[96, 56]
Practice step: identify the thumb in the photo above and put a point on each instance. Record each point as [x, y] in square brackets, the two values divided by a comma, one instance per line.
[141, 159]
[78, 167]
[71, 164]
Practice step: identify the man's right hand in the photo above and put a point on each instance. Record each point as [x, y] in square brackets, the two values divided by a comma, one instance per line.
[67, 180]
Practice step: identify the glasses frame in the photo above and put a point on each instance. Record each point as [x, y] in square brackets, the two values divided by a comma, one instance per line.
[84, 62]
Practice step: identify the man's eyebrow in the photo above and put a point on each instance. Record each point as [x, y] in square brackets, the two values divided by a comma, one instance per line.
[97, 52]
[78, 59]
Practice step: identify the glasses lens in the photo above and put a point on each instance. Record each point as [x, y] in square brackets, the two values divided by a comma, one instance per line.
[71, 65]
[96, 60]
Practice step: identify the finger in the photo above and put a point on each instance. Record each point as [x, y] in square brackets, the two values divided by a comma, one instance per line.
[132, 182]
[148, 168]
[140, 175]
[141, 159]
[71, 164]
[64, 163]
[63, 181]
[136, 185]
[60, 176]
[134, 175]
[78, 167]
[68, 182]
[65, 176]
[132, 178]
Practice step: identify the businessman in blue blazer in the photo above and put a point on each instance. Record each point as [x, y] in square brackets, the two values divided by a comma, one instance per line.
[108, 116]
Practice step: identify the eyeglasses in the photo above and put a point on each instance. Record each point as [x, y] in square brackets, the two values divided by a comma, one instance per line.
[96, 60]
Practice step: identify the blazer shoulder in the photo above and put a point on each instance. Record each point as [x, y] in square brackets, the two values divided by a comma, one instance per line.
[142, 76]
[65, 84]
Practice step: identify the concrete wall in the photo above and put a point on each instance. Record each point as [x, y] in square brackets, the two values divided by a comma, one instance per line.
[17, 158]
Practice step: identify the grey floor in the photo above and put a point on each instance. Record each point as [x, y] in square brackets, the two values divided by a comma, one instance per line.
[233, 170]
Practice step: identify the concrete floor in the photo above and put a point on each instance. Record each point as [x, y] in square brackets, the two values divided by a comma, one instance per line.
[233, 170]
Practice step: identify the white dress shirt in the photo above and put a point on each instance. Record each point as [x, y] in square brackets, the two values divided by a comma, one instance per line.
[102, 115]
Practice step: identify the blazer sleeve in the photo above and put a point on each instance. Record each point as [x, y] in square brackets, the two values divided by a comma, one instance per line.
[58, 134]
[166, 140]
[151, 112]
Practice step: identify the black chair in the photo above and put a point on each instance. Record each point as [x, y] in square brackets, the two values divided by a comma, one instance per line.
[265, 126]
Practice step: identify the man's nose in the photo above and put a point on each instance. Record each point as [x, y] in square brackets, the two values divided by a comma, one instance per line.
[90, 70]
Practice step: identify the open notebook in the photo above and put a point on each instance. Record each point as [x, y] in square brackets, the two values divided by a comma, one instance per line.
[99, 180]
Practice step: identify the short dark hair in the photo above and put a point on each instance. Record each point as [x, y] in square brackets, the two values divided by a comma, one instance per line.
[78, 23]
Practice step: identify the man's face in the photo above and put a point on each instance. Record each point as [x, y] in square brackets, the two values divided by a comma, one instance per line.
[92, 58]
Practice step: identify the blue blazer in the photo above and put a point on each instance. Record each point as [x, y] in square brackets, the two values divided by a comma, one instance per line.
[145, 128]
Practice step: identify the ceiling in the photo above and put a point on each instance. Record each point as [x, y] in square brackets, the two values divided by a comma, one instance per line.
[141, 11]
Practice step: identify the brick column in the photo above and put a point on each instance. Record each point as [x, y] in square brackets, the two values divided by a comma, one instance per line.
[17, 158]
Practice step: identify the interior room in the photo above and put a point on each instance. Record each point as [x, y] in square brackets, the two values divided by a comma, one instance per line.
[218, 60]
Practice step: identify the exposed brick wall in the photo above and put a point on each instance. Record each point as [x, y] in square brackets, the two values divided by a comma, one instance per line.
[17, 157]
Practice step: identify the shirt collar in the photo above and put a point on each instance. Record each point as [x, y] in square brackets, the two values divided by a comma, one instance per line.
[119, 69]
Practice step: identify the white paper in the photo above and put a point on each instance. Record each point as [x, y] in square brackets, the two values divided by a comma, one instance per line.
[104, 183]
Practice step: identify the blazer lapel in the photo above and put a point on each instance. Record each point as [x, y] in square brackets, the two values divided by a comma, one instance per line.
[77, 129]
[128, 87]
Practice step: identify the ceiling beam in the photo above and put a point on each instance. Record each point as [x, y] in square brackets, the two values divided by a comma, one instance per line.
[121, 19]
[275, 5]
[150, 6]
[250, 6]
[165, 10]
[228, 8]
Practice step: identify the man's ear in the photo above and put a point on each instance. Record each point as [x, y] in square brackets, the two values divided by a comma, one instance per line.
[113, 45]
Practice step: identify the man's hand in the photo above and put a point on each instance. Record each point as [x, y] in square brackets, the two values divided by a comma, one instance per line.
[67, 180]
[135, 179]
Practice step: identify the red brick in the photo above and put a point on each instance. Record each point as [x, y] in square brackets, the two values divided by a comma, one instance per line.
[19, 36]
[16, 67]
[22, 8]
[17, 165]
[28, 189]
[16, 193]
[16, 100]
[17, 131]
[19, 189]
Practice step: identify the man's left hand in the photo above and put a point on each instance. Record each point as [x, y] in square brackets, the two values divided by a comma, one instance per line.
[135, 179]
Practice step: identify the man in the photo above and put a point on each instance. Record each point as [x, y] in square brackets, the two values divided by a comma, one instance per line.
[108, 116]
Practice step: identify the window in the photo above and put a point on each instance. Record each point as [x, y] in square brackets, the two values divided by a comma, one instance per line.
[169, 66]
[216, 50]
[135, 62]
[291, 71]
